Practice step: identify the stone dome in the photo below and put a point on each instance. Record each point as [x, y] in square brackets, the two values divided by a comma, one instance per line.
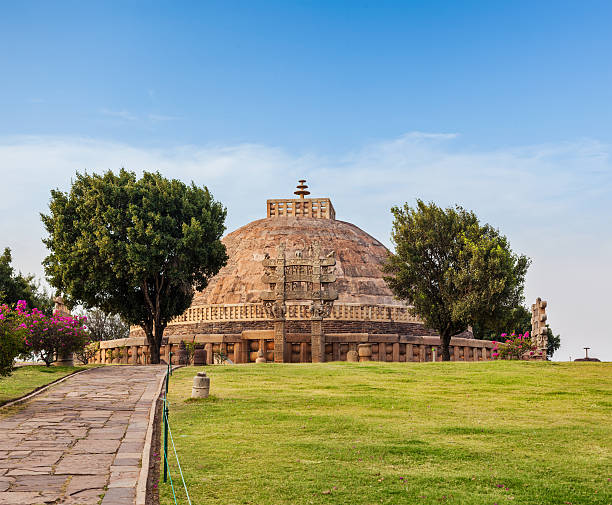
[358, 260]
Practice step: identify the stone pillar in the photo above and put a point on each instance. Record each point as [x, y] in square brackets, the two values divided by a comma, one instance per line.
[335, 351]
[209, 353]
[241, 351]
[456, 353]
[317, 349]
[409, 353]
[382, 351]
[304, 352]
[280, 341]
[396, 352]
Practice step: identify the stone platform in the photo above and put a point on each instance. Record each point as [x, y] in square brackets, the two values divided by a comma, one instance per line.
[79, 440]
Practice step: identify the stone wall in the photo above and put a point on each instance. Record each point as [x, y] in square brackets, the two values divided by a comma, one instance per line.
[243, 347]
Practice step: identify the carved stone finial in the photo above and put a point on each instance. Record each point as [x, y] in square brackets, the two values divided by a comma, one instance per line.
[60, 306]
[302, 189]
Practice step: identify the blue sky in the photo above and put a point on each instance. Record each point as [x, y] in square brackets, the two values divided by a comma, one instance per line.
[504, 108]
[307, 75]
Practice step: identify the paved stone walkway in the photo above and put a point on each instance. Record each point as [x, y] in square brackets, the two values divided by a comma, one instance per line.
[79, 440]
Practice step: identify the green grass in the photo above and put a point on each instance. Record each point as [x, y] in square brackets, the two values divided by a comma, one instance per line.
[392, 433]
[28, 378]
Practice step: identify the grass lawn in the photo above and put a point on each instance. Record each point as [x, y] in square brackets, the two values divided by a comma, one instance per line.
[28, 378]
[392, 433]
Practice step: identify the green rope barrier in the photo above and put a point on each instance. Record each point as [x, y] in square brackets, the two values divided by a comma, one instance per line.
[179, 464]
[170, 475]
[167, 431]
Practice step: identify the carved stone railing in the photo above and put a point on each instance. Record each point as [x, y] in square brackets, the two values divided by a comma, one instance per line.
[244, 347]
[256, 312]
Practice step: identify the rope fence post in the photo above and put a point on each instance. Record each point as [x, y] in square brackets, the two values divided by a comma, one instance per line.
[165, 415]
[168, 436]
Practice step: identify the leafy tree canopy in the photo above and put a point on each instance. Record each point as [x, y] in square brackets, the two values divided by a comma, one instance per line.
[134, 247]
[505, 320]
[452, 270]
[103, 326]
[16, 286]
[554, 342]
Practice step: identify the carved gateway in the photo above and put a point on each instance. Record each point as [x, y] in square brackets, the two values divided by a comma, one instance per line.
[304, 276]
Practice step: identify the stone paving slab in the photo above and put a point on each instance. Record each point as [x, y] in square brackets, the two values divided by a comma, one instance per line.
[80, 440]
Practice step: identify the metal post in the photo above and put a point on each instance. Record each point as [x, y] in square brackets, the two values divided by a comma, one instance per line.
[165, 414]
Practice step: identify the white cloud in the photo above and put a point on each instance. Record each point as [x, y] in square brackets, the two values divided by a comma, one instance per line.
[554, 201]
[121, 114]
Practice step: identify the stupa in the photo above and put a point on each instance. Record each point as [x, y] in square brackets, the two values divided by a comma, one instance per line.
[301, 286]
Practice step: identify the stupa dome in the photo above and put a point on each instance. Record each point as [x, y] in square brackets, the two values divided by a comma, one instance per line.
[358, 260]
[234, 295]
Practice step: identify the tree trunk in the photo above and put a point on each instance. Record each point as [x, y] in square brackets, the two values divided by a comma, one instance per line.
[153, 352]
[154, 341]
[445, 339]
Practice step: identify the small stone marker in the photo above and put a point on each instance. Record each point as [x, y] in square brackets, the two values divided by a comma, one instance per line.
[352, 356]
[201, 386]
[182, 354]
[433, 354]
[365, 352]
[199, 355]
[260, 356]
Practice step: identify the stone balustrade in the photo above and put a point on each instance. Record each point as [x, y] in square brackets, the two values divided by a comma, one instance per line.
[243, 347]
[296, 311]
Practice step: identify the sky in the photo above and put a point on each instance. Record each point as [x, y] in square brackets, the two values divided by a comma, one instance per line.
[502, 108]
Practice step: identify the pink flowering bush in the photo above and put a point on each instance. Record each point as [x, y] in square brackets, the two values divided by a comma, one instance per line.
[53, 336]
[12, 338]
[515, 347]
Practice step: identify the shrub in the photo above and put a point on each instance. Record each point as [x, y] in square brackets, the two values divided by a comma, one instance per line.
[191, 346]
[12, 337]
[515, 347]
[56, 335]
[88, 351]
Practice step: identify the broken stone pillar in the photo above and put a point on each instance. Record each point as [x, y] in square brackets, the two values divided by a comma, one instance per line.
[60, 309]
[182, 354]
[539, 332]
[352, 356]
[201, 386]
[365, 352]
[199, 355]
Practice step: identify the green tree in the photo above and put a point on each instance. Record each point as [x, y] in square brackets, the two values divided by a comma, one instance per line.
[13, 333]
[16, 286]
[104, 326]
[134, 247]
[452, 270]
[505, 320]
[554, 342]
